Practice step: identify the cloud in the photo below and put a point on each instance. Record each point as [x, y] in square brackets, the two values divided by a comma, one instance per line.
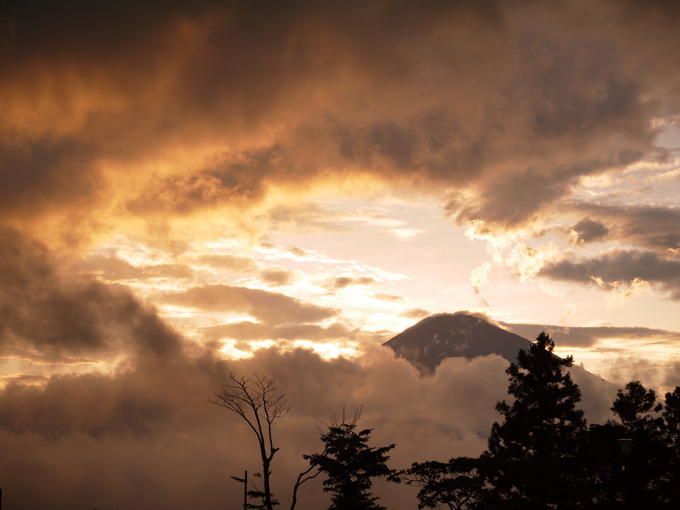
[246, 330]
[587, 230]
[619, 267]
[173, 121]
[415, 313]
[277, 276]
[40, 310]
[586, 336]
[672, 377]
[268, 307]
[480, 276]
[113, 268]
[154, 426]
[220, 108]
[149, 416]
[340, 282]
[652, 227]
[388, 297]
[235, 263]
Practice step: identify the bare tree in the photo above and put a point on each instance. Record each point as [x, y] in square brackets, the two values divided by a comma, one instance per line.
[256, 400]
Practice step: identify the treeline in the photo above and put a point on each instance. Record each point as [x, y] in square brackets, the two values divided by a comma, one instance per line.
[542, 455]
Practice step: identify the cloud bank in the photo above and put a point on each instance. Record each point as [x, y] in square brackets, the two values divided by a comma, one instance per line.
[212, 105]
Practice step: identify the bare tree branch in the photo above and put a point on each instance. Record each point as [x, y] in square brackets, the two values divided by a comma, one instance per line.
[255, 400]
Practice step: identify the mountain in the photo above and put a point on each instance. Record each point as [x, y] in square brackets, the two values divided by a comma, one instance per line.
[426, 344]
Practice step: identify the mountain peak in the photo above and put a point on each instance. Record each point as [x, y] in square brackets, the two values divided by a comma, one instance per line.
[427, 343]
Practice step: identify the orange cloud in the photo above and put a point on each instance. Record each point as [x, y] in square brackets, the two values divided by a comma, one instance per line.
[131, 116]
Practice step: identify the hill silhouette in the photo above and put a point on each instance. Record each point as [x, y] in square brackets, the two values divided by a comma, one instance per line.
[437, 337]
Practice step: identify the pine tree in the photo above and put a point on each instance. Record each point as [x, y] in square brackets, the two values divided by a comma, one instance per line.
[671, 415]
[350, 465]
[646, 467]
[533, 451]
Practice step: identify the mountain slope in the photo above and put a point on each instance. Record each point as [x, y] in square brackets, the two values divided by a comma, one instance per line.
[426, 344]
[447, 335]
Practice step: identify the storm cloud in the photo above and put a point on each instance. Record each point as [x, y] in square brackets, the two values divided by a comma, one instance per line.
[176, 153]
[502, 101]
[42, 311]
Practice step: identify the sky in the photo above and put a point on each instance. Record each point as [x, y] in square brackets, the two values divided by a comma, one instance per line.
[281, 187]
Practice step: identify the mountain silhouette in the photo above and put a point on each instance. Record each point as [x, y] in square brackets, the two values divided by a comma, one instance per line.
[445, 335]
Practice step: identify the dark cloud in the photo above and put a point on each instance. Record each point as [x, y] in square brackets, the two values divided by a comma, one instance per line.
[277, 276]
[268, 307]
[588, 230]
[415, 313]
[586, 336]
[672, 377]
[26, 378]
[298, 252]
[514, 103]
[39, 173]
[47, 357]
[229, 262]
[257, 331]
[341, 282]
[113, 268]
[656, 228]
[40, 310]
[164, 442]
[102, 409]
[207, 188]
[519, 197]
[619, 266]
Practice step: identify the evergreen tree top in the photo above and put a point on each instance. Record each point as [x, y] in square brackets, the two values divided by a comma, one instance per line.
[543, 418]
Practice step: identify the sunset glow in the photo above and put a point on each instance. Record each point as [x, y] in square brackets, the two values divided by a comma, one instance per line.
[282, 187]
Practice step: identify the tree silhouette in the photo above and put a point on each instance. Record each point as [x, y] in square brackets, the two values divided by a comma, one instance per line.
[542, 456]
[671, 416]
[634, 405]
[350, 464]
[457, 484]
[646, 467]
[533, 451]
[255, 399]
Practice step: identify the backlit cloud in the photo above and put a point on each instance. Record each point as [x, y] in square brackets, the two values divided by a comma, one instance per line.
[656, 228]
[268, 307]
[220, 104]
[341, 282]
[188, 186]
[619, 267]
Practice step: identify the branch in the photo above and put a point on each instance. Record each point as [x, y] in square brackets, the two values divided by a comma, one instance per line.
[300, 480]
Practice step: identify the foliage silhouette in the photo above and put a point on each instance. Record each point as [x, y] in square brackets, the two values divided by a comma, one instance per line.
[533, 451]
[350, 464]
[542, 456]
[643, 475]
[457, 484]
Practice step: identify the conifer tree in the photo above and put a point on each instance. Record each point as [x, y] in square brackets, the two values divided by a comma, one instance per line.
[646, 467]
[671, 415]
[350, 465]
[533, 451]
